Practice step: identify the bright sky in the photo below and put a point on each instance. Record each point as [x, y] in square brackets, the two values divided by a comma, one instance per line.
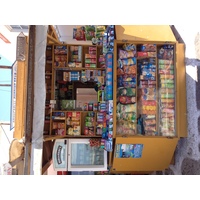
[5, 92]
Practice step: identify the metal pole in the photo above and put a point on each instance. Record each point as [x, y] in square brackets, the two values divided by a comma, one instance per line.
[5, 67]
[5, 85]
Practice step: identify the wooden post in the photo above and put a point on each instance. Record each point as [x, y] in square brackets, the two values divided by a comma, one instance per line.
[20, 99]
[30, 98]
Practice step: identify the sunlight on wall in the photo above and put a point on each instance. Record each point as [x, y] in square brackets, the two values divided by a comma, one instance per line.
[192, 72]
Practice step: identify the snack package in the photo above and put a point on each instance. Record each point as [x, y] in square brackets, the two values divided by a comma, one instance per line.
[167, 81]
[147, 91]
[100, 28]
[127, 92]
[126, 108]
[166, 71]
[60, 58]
[167, 85]
[128, 84]
[127, 116]
[126, 128]
[167, 110]
[129, 47]
[126, 81]
[129, 61]
[167, 100]
[60, 50]
[149, 122]
[147, 47]
[168, 105]
[167, 90]
[79, 33]
[167, 96]
[60, 64]
[166, 52]
[127, 77]
[165, 62]
[166, 67]
[147, 107]
[145, 54]
[147, 65]
[167, 115]
[150, 117]
[149, 128]
[148, 97]
[129, 69]
[127, 100]
[126, 54]
[147, 77]
[147, 72]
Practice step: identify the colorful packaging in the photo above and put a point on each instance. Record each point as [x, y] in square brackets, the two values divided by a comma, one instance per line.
[126, 108]
[167, 96]
[167, 85]
[126, 54]
[129, 61]
[165, 62]
[129, 47]
[147, 47]
[127, 100]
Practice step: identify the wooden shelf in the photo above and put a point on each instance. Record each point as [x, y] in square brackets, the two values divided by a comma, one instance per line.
[56, 75]
[54, 137]
[75, 111]
[78, 68]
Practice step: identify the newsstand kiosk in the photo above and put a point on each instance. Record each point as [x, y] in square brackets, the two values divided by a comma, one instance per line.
[145, 113]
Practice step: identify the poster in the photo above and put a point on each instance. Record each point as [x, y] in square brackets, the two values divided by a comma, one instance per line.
[129, 150]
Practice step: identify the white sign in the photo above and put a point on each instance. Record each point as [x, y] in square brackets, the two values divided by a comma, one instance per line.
[5, 169]
[13, 95]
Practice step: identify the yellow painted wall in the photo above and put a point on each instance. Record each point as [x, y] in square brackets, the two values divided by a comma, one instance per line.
[144, 32]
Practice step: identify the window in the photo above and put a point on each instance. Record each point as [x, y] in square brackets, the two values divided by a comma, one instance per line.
[18, 28]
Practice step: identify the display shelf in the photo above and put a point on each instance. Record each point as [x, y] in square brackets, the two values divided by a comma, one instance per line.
[65, 86]
[90, 123]
[154, 112]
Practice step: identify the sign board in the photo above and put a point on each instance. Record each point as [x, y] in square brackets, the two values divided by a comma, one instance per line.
[13, 96]
[60, 155]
